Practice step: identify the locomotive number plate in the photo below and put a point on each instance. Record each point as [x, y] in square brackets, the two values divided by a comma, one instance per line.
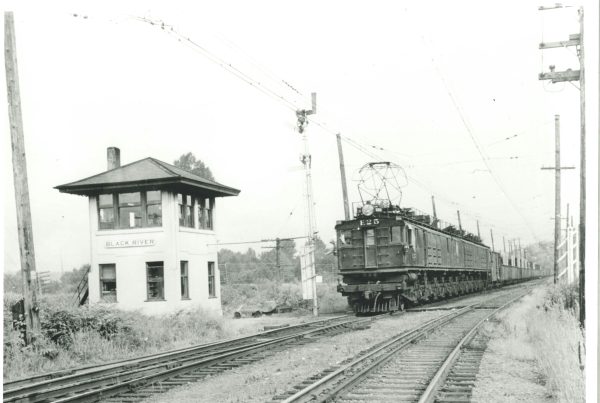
[373, 221]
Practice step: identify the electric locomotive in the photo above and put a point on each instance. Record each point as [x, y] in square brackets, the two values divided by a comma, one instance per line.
[390, 257]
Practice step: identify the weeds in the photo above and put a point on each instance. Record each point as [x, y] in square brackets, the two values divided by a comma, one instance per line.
[556, 337]
[75, 336]
[235, 296]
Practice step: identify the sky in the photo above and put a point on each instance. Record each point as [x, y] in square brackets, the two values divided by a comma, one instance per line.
[447, 91]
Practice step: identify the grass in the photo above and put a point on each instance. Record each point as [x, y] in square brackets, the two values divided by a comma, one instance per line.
[81, 336]
[558, 342]
[73, 337]
[251, 296]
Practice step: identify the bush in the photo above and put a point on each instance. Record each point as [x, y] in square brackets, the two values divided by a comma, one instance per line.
[234, 296]
[60, 324]
[565, 296]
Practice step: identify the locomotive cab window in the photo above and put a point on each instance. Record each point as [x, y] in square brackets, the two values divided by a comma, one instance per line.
[409, 236]
[357, 237]
[383, 236]
[370, 237]
[345, 238]
[396, 234]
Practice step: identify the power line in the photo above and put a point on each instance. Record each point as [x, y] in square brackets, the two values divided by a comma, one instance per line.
[479, 148]
[291, 105]
[267, 71]
[169, 29]
[374, 156]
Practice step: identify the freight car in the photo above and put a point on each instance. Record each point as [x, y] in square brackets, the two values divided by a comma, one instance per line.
[390, 257]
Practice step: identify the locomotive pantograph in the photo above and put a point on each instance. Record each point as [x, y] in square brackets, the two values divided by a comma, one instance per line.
[389, 256]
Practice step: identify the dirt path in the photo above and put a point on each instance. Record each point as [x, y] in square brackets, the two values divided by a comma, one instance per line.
[509, 371]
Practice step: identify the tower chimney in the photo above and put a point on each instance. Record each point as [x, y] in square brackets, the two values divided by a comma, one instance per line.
[113, 158]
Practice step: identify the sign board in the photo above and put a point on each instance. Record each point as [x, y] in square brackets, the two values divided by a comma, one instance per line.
[307, 272]
[129, 243]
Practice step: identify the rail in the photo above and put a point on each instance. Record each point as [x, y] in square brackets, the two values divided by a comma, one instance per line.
[83, 383]
[336, 383]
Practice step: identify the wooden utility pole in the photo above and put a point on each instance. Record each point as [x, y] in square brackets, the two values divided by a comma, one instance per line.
[557, 168]
[278, 259]
[492, 237]
[459, 223]
[567, 222]
[24, 226]
[582, 189]
[343, 175]
[574, 75]
[478, 233]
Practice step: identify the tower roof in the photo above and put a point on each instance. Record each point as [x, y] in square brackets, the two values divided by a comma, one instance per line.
[148, 173]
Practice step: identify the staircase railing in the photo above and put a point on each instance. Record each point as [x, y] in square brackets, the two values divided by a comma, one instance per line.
[81, 294]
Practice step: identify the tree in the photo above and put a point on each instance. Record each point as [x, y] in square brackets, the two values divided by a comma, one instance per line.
[71, 279]
[541, 253]
[190, 163]
[325, 261]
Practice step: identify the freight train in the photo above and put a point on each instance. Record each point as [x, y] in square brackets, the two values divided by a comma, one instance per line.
[391, 257]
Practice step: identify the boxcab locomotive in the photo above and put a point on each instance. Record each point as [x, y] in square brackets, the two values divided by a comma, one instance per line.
[389, 257]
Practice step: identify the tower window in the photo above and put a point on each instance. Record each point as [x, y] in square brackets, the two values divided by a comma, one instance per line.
[155, 281]
[108, 282]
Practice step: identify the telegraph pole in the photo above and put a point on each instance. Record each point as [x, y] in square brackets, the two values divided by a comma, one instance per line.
[277, 248]
[567, 222]
[278, 259]
[302, 116]
[492, 236]
[557, 168]
[574, 75]
[459, 223]
[478, 233]
[343, 175]
[32, 320]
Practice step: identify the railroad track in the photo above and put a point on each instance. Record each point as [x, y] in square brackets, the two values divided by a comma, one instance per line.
[437, 361]
[134, 379]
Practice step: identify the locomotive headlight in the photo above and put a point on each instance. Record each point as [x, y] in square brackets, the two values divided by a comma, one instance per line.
[368, 209]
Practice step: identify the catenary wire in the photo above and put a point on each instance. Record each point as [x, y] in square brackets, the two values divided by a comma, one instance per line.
[291, 105]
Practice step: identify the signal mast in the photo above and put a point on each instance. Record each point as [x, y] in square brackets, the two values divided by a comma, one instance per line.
[308, 272]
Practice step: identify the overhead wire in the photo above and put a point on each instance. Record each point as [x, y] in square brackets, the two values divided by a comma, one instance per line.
[268, 72]
[293, 106]
[479, 148]
[420, 184]
[169, 29]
